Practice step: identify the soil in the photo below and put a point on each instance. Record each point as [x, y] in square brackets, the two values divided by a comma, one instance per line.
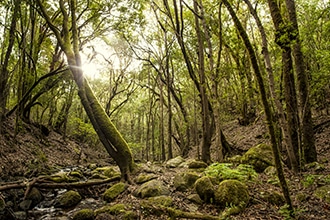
[27, 153]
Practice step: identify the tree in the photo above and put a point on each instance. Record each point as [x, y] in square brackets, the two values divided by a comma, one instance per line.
[68, 38]
[255, 66]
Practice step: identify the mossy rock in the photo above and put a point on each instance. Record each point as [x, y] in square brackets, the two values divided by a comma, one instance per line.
[68, 199]
[83, 214]
[33, 198]
[104, 172]
[195, 199]
[323, 193]
[224, 171]
[234, 159]
[196, 164]
[142, 178]
[273, 197]
[161, 201]
[115, 209]
[60, 177]
[232, 193]
[205, 189]
[260, 157]
[184, 181]
[174, 162]
[151, 189]
[130, 215]
[114, 191]
[105, 216]
[270, 171]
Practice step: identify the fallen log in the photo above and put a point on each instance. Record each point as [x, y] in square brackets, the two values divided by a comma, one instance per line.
[45, 184]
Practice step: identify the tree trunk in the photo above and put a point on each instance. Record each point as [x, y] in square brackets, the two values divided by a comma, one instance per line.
[306, 123]
[264, 99]
[283, 38]
[280, 111]
[107, 132]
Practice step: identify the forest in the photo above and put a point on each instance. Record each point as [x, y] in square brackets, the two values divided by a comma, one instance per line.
[182, 109]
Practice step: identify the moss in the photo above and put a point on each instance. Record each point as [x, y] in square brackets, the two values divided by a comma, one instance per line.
[223, 171]
[174, 162]
[84, 214]
[151, 189]
[130, 215]
[184, 181]
[232, 193]
[274, 198]
[142, 178]
[260, 157]
[161, 200]
[111, 193]
[205, 189]
[76, 174]
[196, 164]
[112, 209]
[68, 199]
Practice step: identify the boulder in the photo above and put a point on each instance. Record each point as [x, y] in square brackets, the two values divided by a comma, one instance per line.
[151, 189]
[115, 190]
[83, 214]
[142, 178]
[233, 193]
[184, 181]
[161, 201]
[33, 198]
[205, 189]
[260, 157]
[68, 199]
[174, 162]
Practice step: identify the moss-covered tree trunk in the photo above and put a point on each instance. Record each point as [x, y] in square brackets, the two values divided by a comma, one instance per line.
[110, 137]
[265, 103]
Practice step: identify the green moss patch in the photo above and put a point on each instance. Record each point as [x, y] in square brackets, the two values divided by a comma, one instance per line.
[84, 214]
[115, 190]
[205, 189]
[68, 199]
[260, 157]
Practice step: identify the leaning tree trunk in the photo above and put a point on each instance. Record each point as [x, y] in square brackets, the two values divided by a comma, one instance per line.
[265, 103]
[110, 137]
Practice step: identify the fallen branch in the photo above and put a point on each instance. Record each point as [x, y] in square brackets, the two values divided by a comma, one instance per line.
[42, 183]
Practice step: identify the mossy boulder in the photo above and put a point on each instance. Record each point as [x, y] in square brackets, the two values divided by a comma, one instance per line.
[114, 191]
[33, 198]
[196, 164]
[224, 171]
[260, 157]
[184, 181]
[323, 193]
[83, 214]
[142, 178]
[76, 174]
[195, 199]
[161, 201]
[205, 189]
[151, 189]
[104, 172]
[273, 197]
[232, 193]
[119, 210]
[68, 199]
[174, 162]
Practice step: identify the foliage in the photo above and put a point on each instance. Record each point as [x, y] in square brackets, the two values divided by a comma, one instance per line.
[223, 171]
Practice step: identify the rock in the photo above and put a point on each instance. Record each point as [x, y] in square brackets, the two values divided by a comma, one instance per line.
[184, 181]
[33, 198]
[205, 189]
[151, 189]
[260, 157]
[174, 162]
[84, 214]
[196, 164]
[105, 216]
[111, 209]
[142, 178]
[115, 190]
[274, 198]
[233, 193]
[68, 199]
[195, 199]
[161, 201]
[323, 193]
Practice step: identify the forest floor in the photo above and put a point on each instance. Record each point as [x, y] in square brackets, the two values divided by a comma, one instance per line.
[29, 154]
